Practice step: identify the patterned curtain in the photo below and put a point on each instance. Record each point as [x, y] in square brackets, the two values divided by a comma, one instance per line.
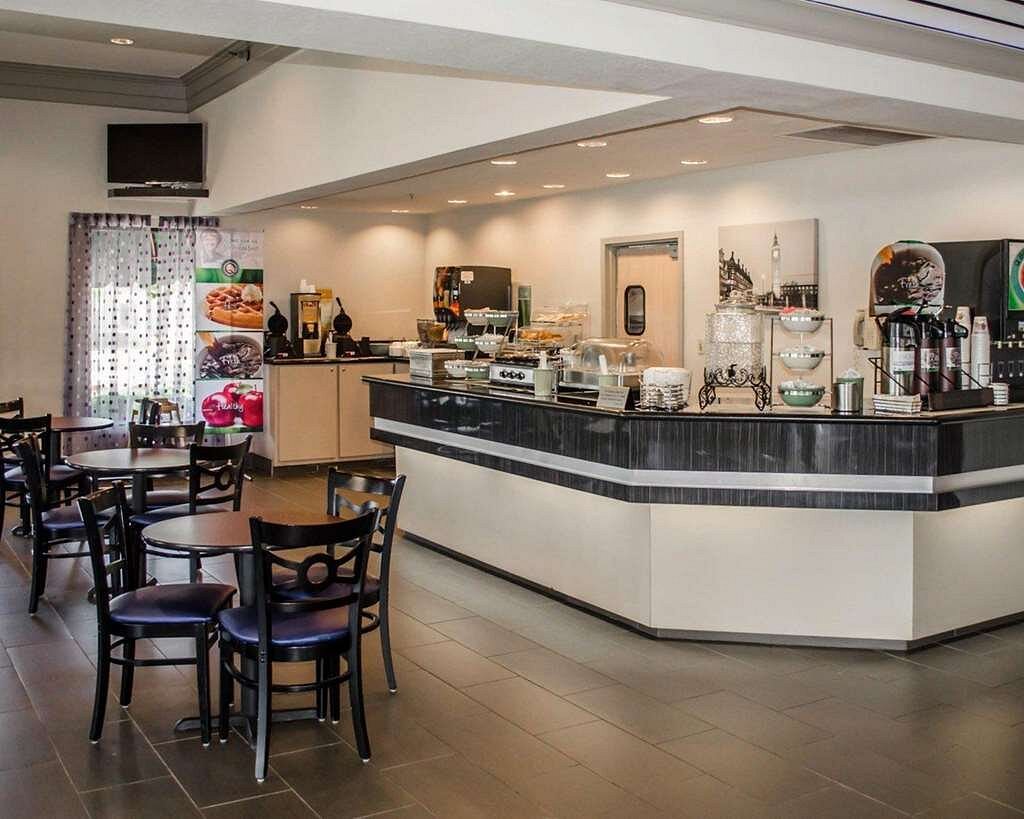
[130, 331]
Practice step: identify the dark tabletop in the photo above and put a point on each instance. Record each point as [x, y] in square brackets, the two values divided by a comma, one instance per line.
[79, 423]
[126, 461]
[219, 531]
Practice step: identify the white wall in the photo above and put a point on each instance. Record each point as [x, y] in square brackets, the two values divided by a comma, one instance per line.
[296, 127]
[373, 262]
[939, 190]
[52, 161]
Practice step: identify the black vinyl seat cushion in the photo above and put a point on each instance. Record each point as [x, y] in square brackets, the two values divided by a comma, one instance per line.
[304, 629]
[171, 604]
[159, 498]
[69, 518]
[288, 590]
[59, 474]
[169, 512]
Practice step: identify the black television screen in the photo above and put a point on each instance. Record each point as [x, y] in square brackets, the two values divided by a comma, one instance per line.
[137, 154]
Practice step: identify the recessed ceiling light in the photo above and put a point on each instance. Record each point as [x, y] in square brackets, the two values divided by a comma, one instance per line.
[591, 143]
[505, 193]
[308, 207]
[715, 119]
[693, 162]
[122, 41]
[399, 210]
[504, 161]
[617, 175]
[457, 201]
[553, 187]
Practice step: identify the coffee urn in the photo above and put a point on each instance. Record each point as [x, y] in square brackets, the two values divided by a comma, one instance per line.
[900, 342]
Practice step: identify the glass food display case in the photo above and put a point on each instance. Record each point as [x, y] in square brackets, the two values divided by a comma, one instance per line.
[552, 328]
[612, 361]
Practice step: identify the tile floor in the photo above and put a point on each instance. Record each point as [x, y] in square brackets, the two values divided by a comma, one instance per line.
[512, 705]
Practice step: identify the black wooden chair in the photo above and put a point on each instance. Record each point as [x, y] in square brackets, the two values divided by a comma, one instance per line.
[126, 611]
[215, 481]
[148, 412]
[387, 493]
[10, 496]
[61, 478]
[322, 630]
[168, 436]
[51, 523]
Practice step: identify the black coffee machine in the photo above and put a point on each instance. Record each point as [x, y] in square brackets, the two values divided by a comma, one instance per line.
[276, 343]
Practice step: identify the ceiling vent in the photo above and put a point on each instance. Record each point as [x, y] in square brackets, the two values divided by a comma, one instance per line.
[855, 135]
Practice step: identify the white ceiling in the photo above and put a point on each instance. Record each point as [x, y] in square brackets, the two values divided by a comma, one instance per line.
[645, 153]
[985, 36]
[42, 40]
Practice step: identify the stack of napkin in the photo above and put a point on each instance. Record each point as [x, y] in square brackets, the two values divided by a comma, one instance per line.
[901, 404]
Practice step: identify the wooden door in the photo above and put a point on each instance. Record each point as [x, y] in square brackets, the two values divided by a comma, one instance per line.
[354, 418]
[649, 298]
[306, 413]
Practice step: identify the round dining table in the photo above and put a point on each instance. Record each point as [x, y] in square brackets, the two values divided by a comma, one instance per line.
[59, 424]
[220, 532]
[140, 463]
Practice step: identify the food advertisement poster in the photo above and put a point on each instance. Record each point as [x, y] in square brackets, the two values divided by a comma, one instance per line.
[229, 325]
[229, 279]
[230, 406]
[1016, 289]
[228, 355]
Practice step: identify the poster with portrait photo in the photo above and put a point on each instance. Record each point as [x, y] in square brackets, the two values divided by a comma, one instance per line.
[229, 256]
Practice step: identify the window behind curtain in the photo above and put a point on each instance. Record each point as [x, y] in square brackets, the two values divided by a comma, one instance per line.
[130, 325]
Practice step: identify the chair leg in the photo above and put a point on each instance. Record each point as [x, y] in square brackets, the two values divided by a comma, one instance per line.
[263, 719]
[26, 517]
[40, 550]
[385, 645]
[127, 673]
[194, 565]
[321, 693]
[99, 706]
[355, 695]
[226, 690]
[333, 669]
[203, 683]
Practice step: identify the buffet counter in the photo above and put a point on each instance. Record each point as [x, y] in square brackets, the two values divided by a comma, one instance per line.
[794, 526]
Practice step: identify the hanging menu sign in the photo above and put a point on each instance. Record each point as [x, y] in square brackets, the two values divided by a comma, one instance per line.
[229, 325]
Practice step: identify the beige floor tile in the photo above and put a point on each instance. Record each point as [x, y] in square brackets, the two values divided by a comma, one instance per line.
[529, 706]
[456, 664]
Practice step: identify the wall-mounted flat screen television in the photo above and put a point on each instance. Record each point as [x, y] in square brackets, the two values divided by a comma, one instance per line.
[162, 153]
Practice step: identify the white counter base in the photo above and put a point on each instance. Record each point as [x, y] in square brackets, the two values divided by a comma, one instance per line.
[803, 576]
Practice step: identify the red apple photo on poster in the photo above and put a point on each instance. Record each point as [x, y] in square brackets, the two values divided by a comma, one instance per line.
[230, 406]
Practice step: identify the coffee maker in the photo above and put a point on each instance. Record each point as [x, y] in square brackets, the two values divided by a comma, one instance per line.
[275, 344]
[306, 325]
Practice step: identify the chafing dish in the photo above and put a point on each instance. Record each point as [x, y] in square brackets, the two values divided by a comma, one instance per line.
[625, 359]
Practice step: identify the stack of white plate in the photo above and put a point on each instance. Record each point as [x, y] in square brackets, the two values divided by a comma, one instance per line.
[897, 404]
[1001, 392]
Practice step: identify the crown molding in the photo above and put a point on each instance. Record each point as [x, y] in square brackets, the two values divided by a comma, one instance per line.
[229, 68]
[234, 65]
[85, 86]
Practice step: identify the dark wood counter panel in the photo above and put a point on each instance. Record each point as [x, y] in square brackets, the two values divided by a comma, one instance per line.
[782, 458]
